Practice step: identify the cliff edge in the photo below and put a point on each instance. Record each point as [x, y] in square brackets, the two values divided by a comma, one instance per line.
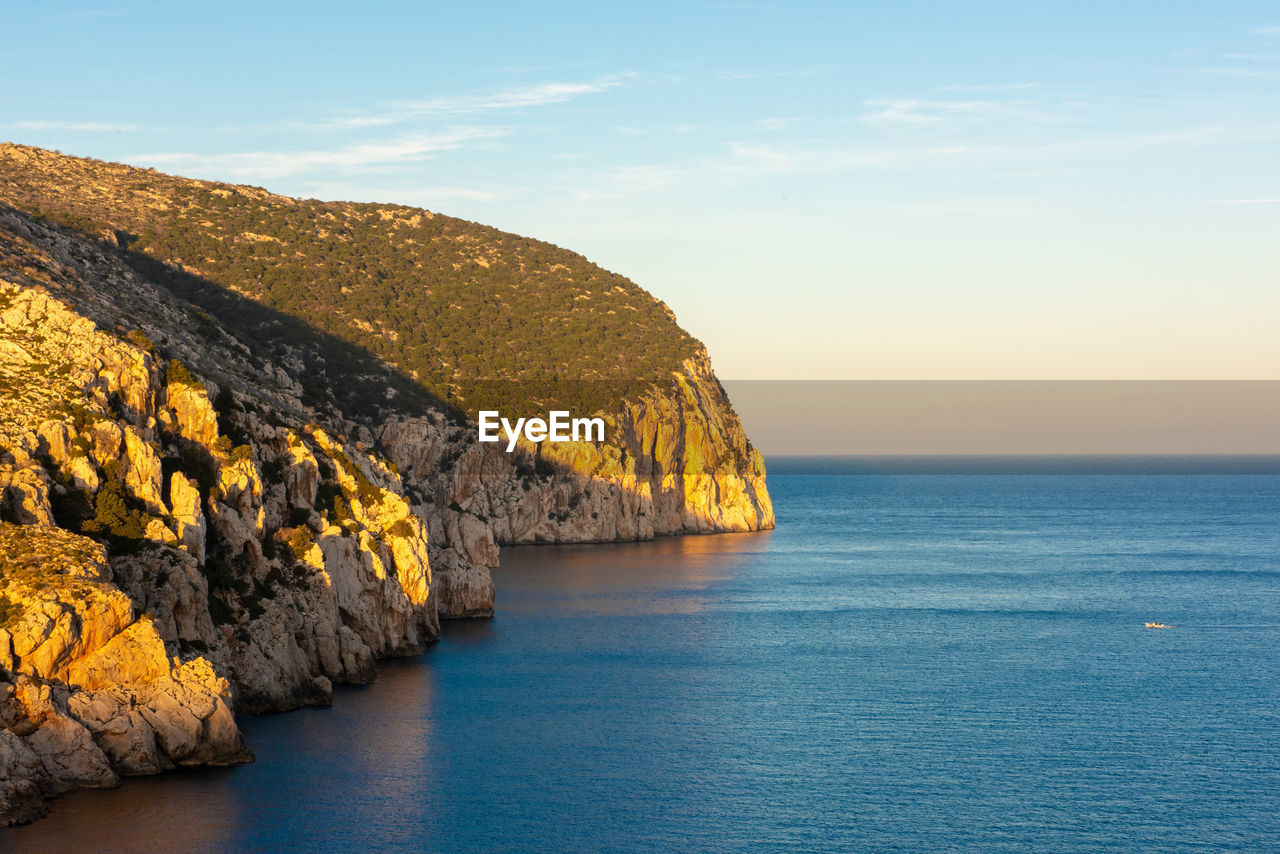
[238, 460]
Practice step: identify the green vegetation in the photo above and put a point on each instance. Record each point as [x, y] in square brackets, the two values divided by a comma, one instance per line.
[477, 317]
[368, 493]
[401, 528]
[301, 541]
[39, 559]
[178, 373]
[111, 514]
[140, 339]
[10, 611]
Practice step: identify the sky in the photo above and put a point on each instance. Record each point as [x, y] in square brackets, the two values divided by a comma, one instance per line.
[869, 191]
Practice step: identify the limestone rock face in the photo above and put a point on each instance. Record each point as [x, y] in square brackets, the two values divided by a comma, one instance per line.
[463, 589]
[21, 800]
[187, 412]
[269, 564]
[24, 496]
[88, 692]
[188, 515]
[672, 462]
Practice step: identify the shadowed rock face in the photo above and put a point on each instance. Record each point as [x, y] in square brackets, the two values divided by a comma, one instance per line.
[218, 532]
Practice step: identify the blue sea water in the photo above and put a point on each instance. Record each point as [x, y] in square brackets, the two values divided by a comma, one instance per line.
[909, 662]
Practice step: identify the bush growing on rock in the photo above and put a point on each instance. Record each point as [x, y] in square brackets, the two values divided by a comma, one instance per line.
[10, 611]
[300, 542]
[177, 372]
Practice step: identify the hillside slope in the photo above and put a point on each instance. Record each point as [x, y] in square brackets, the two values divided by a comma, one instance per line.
[210, 505]
[420, 310]
[455, 305]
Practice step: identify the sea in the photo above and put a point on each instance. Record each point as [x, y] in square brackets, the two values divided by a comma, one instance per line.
[925, 655]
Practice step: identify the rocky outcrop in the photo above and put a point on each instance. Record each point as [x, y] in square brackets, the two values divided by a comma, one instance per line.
[674, 461]
[230, 557]
[87, 690]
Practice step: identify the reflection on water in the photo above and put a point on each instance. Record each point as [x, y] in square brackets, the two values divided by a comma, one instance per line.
[379, 738]
[667, 576]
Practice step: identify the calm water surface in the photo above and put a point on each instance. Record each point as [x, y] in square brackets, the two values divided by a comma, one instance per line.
[907, 663]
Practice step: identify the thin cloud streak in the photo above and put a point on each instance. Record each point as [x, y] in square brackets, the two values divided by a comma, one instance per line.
[88, 127]
[531, 96]
[431, 197]
[750, 159]
[526, 97]
[923, 111]
[725, 74]
[775, 123]
[1232, 71]
[918, 111]
[1204, 203]
[276, 164]
[986, 87]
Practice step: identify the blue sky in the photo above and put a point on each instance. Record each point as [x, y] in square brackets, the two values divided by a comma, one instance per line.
[820, 190]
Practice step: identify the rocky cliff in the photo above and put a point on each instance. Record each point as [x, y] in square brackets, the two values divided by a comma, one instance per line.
[167, 559]
[88, 691]
[672, 463]
[210, 506]
[465, 314]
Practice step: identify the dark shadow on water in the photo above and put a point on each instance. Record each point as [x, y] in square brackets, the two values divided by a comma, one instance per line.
[613, 577]
[469, 632]
[378, 734]
[377, 737]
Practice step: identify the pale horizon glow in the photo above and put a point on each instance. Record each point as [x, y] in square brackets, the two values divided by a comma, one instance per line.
[819, 191]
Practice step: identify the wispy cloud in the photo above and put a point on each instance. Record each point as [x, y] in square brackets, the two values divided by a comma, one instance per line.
[986, 87]
[1205, 203]
[520, 98]
[1267, 31]
[924, 111]
[919, 111]
[993, 207]
[470, 194]
[511, 99]
[1233, 71]
[765, 159]
[432, 197]
[749, 160]
[727, 74]
[746, 7]
[259, 165]
[88, 127]
[740, 161]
